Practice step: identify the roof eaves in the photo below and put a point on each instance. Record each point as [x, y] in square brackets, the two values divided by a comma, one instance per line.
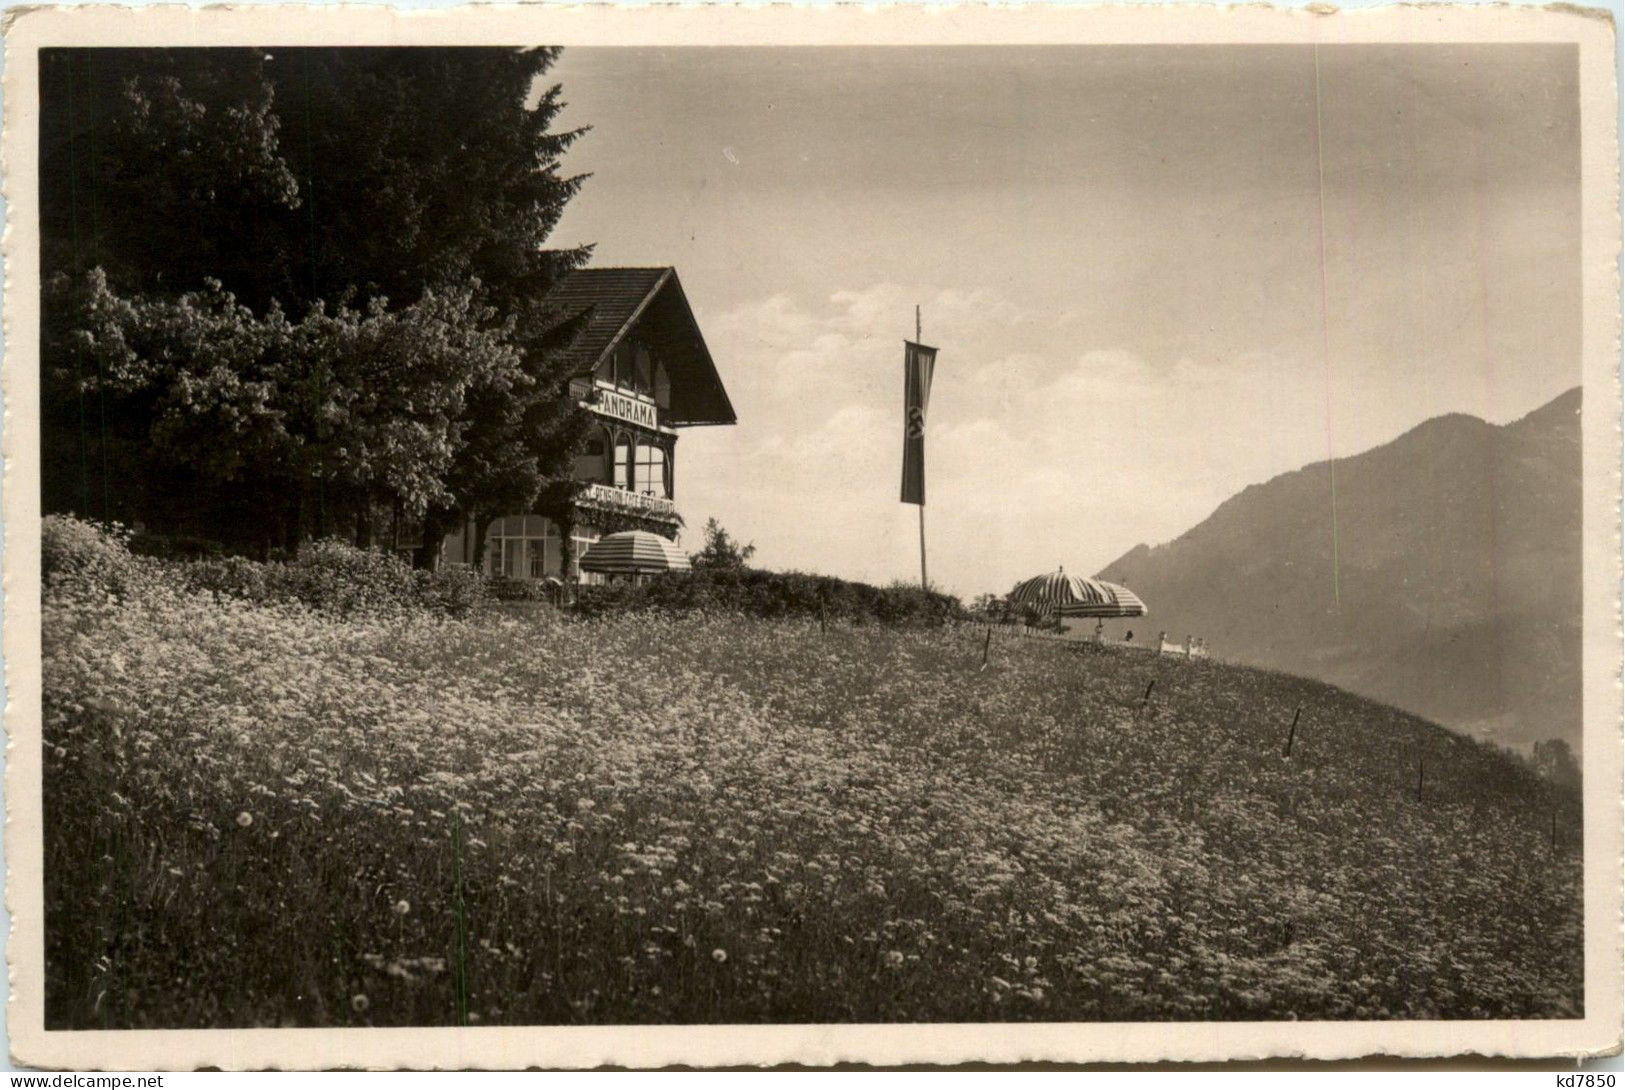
[733, 416]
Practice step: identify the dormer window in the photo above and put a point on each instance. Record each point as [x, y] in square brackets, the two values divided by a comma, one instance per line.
[642, 371]
[662, 386]
[631, 367]
[621, 365]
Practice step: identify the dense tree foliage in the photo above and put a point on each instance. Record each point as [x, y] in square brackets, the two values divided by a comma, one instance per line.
[289, 290]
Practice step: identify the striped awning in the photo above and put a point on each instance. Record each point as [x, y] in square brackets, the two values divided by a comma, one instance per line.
[1077, 596]
[633, 552]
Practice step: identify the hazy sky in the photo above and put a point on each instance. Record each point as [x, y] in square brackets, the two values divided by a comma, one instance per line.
[1122, 253]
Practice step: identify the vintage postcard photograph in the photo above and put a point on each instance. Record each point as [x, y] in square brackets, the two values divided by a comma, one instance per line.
[565, 536]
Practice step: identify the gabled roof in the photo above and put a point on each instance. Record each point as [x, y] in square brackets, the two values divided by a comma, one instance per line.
[614, 295]
[652, 300]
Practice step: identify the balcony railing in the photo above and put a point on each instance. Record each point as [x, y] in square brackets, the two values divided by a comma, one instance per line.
[619, 499]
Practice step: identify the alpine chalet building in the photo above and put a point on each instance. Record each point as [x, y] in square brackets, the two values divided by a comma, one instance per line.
[643, 372]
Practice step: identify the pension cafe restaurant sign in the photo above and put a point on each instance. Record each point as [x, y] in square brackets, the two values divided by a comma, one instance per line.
[642, 369]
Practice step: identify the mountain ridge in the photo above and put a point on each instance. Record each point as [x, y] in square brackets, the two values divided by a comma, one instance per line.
[1444, 577]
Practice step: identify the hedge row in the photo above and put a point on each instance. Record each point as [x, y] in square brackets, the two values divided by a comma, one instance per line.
[338, 578]
[334, 577]
[329, 576]
[774, 594]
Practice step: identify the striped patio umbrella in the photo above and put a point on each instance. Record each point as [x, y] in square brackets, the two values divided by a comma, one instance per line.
[633, 552]
[1077, 596]
[1117, 601]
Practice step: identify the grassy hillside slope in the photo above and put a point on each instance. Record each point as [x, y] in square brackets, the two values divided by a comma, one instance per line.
[264, 816]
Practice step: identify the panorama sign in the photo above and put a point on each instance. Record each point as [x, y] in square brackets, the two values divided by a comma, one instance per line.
[622, 407]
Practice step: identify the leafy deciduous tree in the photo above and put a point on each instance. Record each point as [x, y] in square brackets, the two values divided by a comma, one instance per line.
[397, 201]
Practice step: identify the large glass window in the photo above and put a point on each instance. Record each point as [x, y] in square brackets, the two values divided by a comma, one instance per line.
[592, 464]
[652, 470]
[522, 547]
[544, 556]
[623, 462]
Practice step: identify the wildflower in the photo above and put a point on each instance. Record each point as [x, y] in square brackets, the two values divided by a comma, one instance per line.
[306, 704]
[244, 820]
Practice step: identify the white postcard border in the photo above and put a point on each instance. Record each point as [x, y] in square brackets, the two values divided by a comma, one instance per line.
[576, 1047]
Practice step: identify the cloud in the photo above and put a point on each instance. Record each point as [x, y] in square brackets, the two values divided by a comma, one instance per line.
[1041, 450]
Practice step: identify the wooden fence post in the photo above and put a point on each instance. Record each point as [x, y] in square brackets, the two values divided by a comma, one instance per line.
[1421, 768]
[1292, 732]
[987, 645]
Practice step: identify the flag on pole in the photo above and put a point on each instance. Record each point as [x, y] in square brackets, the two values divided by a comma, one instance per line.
[919, 362]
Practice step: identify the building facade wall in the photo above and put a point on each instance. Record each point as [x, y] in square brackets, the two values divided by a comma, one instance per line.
[629, 465]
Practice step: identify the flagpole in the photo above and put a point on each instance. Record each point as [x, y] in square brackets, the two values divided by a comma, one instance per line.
[925, 584]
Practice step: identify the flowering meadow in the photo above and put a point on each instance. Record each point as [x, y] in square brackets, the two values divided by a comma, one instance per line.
[259, 814]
